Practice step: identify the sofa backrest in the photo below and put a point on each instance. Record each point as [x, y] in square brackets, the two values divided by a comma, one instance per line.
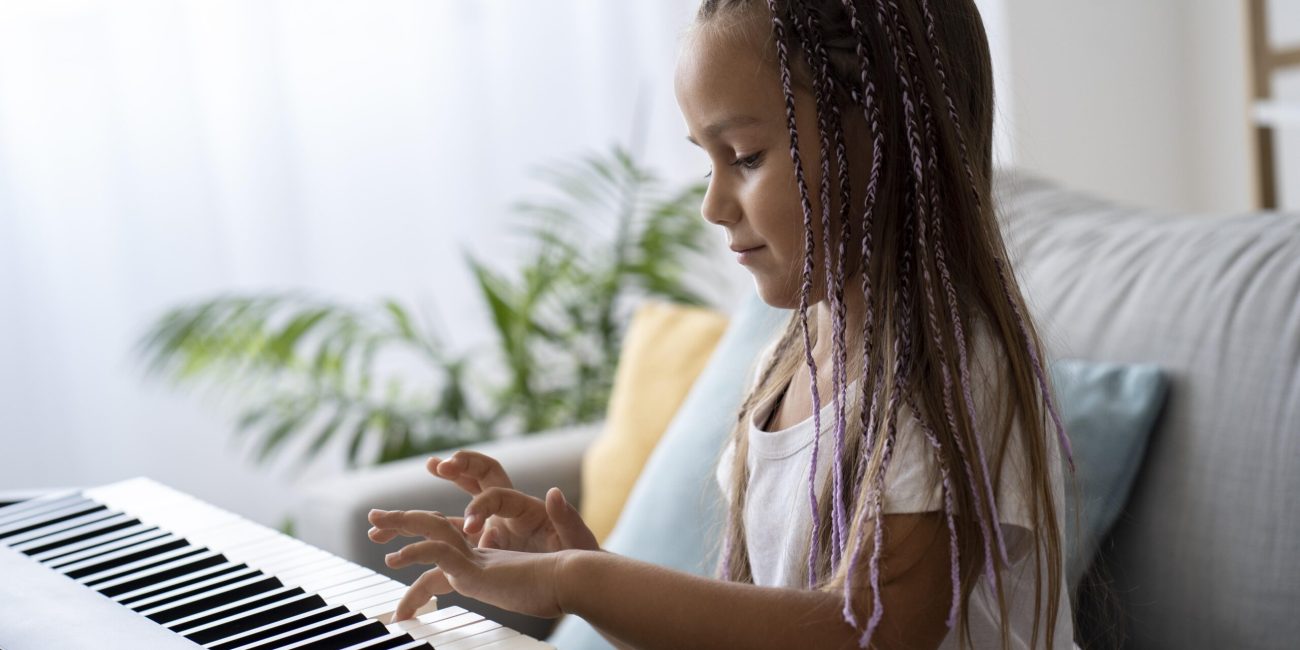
[1207, 553]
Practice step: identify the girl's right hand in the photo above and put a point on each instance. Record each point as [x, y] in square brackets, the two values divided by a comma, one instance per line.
[502, 517]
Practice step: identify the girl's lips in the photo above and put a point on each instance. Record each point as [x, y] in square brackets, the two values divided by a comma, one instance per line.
[746, 256]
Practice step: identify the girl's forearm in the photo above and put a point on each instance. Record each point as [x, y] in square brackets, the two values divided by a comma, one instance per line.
[648, 606]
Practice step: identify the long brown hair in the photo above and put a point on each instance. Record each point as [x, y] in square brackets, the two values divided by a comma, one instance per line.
[925, 240]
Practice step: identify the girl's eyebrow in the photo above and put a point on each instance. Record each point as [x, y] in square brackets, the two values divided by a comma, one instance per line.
[715, 129]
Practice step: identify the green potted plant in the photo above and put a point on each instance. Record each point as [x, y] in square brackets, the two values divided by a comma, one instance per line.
[306, 366]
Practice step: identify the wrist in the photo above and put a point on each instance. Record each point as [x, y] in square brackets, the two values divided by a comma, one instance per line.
[569, 567]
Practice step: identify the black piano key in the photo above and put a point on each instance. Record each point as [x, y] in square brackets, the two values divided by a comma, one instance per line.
[244, 605]
[40, 521]
[353, 634]
[139, 576]
[414, 645]
[230, 593]
[285, 626]
[140, 566]
[206, 584]
[127, 558]
[257, 618]
[60, 529]
[322, 629]
[69, 538]
[176, 578]
[105, 541]
[110, 542]
[393, 640]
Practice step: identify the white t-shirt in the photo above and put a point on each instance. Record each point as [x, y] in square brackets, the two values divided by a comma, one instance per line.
[778, 516]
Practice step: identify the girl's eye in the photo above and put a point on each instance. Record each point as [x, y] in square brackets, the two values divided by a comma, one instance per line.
[748, 162]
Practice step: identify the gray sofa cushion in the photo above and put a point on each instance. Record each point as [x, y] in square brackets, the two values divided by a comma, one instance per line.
[1207, 554]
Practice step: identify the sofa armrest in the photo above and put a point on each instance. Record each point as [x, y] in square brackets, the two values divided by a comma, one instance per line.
[331, 514]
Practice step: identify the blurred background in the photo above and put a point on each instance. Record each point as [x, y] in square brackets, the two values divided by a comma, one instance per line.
[158, 153]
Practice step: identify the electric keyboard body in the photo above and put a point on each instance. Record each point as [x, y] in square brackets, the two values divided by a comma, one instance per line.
[136, 564]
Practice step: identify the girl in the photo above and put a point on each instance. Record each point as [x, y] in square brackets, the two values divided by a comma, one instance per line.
[892, 478]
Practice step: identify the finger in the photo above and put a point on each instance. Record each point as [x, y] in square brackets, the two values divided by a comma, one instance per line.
[413, 553]
[386, 535]
[431, 583]
[465, 483]
[477, 466]
[490, 538]
[419, 523]
[503, 502]
[568, 523]
[449, 558]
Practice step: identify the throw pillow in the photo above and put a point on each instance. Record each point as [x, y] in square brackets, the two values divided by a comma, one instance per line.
[665, 348]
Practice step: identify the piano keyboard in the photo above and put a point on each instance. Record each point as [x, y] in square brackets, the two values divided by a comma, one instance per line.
[138, 564]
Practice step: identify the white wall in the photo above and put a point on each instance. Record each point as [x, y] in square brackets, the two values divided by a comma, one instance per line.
[157, 151]
[1141, 101]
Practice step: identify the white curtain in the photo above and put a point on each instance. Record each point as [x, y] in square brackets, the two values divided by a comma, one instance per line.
[154, 152]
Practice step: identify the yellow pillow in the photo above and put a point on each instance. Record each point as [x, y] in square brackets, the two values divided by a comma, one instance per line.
[665, 348]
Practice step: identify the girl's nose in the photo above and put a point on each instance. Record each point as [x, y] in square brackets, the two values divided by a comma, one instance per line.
[718, 207]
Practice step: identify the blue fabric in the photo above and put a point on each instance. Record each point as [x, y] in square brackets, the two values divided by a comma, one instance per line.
[674, 513]
[1109, 411]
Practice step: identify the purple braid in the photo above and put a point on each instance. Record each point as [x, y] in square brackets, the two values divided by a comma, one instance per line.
[823, 87]
[936, 336]
[778, 27]
[953, 552]
[933, 42]
[824, 105]
[902, 300]
[962, 357]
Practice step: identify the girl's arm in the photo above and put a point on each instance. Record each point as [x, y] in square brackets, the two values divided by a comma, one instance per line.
[652, 607]
[647, 606]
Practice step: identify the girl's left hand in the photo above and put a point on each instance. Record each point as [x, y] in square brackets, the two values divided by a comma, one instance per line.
[520, 582]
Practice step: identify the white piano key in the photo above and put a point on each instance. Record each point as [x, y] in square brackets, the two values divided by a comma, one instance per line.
[462, 632]
[358, 593]
[314, 578]
[428, 628]
[520, 642]
[359, 582]
[382, 602]
[45, 500]
[384, 612]
[481, 639]
[63, 538]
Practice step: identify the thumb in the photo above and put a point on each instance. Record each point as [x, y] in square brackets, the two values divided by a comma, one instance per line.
[573, 531]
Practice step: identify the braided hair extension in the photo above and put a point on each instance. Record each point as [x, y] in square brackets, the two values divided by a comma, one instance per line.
[927, 335]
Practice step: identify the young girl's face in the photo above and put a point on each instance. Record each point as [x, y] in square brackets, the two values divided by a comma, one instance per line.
[734, 107]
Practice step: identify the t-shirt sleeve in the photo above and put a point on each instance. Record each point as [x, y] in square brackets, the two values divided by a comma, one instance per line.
[913, 480]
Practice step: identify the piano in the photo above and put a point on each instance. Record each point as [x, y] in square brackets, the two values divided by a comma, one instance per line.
[137, 564]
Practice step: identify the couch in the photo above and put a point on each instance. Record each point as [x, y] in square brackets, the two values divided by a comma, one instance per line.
[1206, 553]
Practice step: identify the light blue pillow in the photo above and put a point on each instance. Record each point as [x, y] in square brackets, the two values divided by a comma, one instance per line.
[1108, 410]
[665, 518]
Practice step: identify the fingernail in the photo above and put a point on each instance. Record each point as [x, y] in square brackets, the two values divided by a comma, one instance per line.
[470, 520]
[390, 557]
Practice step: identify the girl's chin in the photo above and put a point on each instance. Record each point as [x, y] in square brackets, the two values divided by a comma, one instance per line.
[776, 296]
